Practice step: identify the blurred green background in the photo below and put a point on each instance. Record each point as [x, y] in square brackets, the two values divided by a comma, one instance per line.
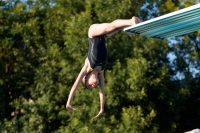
[151, 86]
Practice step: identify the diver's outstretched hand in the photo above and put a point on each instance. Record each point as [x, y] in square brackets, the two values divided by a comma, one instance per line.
[70, 107]
[100, 112]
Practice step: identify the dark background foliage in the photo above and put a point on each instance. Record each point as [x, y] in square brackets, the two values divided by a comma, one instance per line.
[151, 85]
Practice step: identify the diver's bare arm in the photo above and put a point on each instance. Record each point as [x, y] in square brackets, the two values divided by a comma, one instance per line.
[82, 73]
[101, 94]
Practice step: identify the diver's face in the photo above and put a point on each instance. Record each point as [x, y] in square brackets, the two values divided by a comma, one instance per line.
[92, 81]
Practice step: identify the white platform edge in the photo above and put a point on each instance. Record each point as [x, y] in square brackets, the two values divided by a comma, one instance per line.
[164, 16]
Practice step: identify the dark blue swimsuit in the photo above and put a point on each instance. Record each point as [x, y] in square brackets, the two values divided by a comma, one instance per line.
[97, 53]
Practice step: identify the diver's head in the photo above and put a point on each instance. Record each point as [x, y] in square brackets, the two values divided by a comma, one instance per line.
[90, 80]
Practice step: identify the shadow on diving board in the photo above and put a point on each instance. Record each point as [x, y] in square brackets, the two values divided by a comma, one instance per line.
[177, 23]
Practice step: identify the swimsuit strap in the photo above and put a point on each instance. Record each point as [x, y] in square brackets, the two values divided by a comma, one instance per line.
[91, 69]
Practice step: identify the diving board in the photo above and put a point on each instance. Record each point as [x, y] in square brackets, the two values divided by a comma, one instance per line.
[177, 23]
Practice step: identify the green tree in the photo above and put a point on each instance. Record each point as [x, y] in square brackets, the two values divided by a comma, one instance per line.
[44, 45]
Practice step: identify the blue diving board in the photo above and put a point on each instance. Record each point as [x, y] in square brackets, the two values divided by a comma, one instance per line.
[177, 23]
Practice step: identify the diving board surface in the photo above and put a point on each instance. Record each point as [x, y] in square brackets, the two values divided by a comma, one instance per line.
[177, 23]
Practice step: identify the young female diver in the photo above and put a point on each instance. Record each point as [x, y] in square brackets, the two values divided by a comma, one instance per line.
[92, 72]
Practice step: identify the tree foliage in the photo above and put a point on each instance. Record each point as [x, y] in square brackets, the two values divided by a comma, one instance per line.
[44, 44]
